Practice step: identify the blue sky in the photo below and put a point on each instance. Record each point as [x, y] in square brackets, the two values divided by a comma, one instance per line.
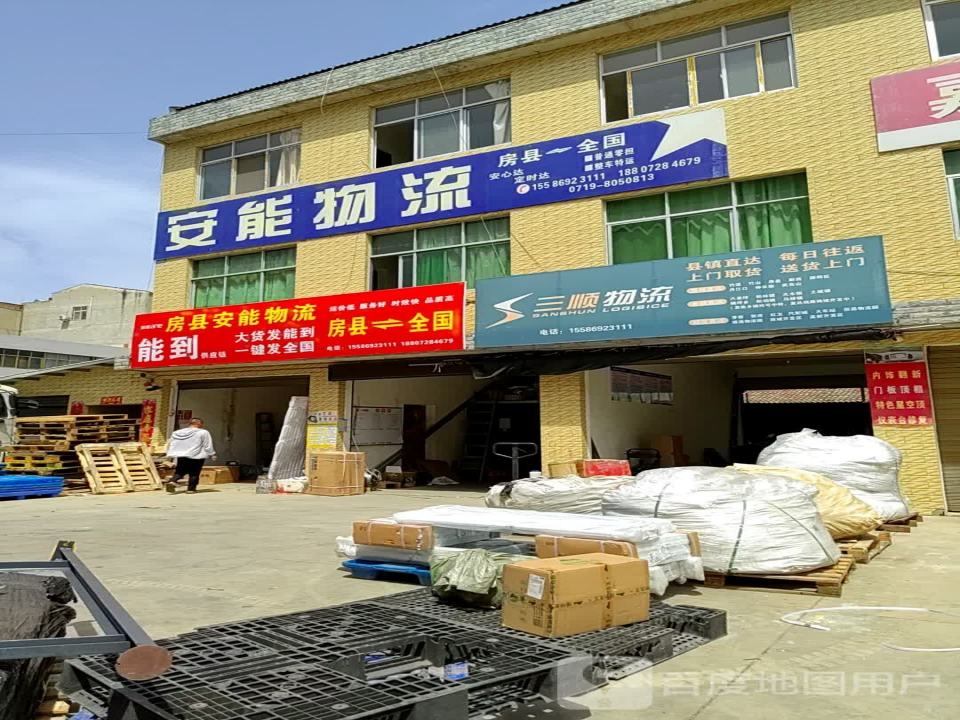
[77, 203]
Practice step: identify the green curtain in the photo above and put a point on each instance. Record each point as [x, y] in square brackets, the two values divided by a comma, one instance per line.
[775, 224]
[951, 160]
[278, 285]
[702, 234]
[439, 266]
[243, 288]
[208, 293]
[284, 258]
[706, 198]
[639, 242]
[636, 207]
[775, 188]
[487, 261]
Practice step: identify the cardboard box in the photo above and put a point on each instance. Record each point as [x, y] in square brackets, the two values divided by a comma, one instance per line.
[389, 534]
[549, 546]
[667, 444]
[595, 468]
[556, 597]
[334, 473]
[216, 475]
[562, 469]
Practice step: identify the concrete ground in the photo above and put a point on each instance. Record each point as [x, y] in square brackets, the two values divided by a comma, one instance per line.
[178, 562]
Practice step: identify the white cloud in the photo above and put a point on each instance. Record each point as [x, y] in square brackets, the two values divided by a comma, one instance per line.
[60, 227]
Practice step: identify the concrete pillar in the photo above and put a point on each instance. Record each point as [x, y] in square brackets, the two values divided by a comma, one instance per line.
[563, 418]
[920, 477]
[327, 396]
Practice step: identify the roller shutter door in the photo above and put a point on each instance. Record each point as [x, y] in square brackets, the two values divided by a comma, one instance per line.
[945, 379]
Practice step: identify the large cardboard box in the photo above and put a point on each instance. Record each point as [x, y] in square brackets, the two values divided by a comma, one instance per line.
[384, 533]
[556, 597]
[550, 546]
[216, 475]
[333, 473]
[668, 444]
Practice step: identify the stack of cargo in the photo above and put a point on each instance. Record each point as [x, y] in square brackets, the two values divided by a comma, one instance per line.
[336, 473]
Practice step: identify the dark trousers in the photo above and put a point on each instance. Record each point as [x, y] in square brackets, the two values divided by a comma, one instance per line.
[189, 468]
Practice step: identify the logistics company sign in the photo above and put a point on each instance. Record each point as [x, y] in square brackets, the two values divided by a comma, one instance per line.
[818, 285]
[899, 386]
[918, 107]
[632, 157]
[385, 322]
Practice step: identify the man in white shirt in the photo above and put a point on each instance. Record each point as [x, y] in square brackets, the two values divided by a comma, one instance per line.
[191, 446]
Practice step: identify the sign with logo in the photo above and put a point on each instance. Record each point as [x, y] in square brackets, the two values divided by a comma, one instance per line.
[899, 387]
[322, 430]
[112, 400]
[384, 322]
[682, 149]
[917, 107]
[817, 285]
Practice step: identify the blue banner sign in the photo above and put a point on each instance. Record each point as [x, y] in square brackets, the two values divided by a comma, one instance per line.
[683, 149]
[798, 287]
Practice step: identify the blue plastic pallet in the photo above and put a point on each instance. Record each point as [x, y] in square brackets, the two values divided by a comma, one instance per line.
[369, 570]
[21, 487]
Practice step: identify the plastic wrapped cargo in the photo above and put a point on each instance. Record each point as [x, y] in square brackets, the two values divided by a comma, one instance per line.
[570, 494]
[868, 466]
[531, 522]
[747, 523]
[844, 515]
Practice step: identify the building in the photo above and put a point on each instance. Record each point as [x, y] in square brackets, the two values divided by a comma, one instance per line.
[663, 145]
[86, 313]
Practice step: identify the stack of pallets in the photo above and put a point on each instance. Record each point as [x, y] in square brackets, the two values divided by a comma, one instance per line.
[112, 468]
[48, 445]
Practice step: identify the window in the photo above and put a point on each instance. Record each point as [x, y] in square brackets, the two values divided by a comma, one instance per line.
[250, 165]
[448, 122]
[740, 59]
[246, 278]
[448, 253]
[79, 312]
[943, 26]
[29, 360]
[747, 215]
[951, 160]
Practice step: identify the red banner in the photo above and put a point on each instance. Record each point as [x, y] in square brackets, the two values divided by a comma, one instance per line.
[148, 420]
[383, 322]
[899, 388]
[112, 400]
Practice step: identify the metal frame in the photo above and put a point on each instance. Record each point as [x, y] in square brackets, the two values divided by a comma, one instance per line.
[931, 29]
[233, 157]
[120, 631]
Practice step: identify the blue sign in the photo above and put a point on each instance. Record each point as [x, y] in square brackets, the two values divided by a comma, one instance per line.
[683, 149]
[797, 287]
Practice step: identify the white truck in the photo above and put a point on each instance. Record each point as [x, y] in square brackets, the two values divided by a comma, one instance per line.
[8, 414]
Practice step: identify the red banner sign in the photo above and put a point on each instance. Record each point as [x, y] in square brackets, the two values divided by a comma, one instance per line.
[148, 420]
[112, 400]
[383, 322]
[899, 388]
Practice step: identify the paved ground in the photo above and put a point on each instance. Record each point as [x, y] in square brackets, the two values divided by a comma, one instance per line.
[226, 554]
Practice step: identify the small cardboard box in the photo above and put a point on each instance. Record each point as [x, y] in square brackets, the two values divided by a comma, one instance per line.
[628, 588]
[333, 473]
[596, 468]
[553, 621]
[216, 475]
[562, 469]
[390, 534]
[549, 546]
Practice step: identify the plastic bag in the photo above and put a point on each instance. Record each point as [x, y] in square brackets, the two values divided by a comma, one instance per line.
[471, 577]
[292, 485]
[844, 515]
[866, 465]
[570, 494]
[747, 523]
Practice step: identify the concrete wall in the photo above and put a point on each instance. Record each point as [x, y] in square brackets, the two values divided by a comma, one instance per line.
[10, 314]
[439, 394]
[700, 411]
[230, 415]
[109, 319]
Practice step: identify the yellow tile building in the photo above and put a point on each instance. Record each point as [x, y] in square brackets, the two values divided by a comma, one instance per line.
[810, 114]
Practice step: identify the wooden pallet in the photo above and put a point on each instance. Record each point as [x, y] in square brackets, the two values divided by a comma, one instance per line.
[59, 446]
[77, 428]
[903, 525]
[113, 468]
[826, 581]
[866, 547]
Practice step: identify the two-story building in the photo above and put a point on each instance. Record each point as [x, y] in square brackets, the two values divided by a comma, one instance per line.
[712, 219]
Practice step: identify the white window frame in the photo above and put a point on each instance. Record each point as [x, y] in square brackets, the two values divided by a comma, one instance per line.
[415, 252]
[692, 89]
[233, 163]
[736, 239]
[79, 312]
[931, 29]
[464, 127]
[223, 276]
[952, 180]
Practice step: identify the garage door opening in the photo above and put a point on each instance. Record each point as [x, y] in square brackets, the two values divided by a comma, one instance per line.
[244, 417]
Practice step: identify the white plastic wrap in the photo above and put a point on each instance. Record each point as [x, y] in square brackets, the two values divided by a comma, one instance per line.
[869, 466]
[530, 522]
[570, 494]
[746, 523]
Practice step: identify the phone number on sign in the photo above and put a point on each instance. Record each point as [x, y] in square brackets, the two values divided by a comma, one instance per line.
[625, 176]
[601, 328]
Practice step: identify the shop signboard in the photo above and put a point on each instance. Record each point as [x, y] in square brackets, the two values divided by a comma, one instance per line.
[842, 283]
[383, 322]
[917, 107]
[111, 400]
[682, 149]
[323, 429]
[899, 387]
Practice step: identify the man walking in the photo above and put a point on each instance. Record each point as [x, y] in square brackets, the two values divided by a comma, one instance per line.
[191, 446]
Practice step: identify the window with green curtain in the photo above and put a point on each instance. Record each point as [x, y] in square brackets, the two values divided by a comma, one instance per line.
[487, 261]
[639, 242]
[244, 278]
[702, 234]
[774, 212]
